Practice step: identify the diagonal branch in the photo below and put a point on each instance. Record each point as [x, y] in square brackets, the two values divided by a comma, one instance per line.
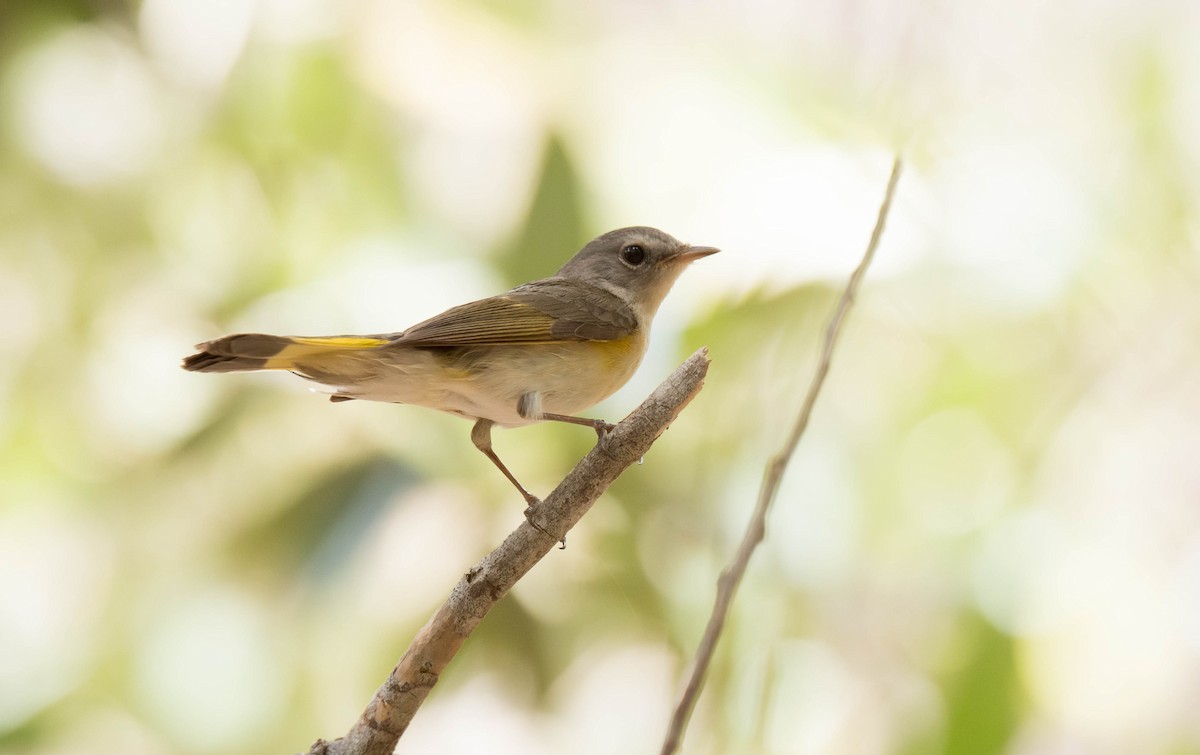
[396, 702]
[732, 576]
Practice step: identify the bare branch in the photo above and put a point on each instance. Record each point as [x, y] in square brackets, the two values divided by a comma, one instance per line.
[731, 577]
[396, 702]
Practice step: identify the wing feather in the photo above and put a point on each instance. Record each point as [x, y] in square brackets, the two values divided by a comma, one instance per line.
[554, 309]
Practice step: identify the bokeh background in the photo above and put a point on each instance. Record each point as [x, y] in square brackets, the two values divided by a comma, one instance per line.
[989, 541]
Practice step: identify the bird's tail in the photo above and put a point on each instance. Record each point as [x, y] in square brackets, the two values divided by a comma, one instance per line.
[256, 351]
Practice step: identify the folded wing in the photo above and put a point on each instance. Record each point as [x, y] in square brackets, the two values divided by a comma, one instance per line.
[543, 311]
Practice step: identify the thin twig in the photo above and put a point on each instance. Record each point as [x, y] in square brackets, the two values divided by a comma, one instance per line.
[396, 702]
[731, 577]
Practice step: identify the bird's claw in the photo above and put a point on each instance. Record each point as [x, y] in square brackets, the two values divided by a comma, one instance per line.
[602, 428]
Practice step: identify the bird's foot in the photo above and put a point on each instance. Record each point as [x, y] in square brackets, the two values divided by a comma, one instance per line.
[533, 501]
[602, 428]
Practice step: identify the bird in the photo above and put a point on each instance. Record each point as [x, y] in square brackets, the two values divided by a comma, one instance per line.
[544, 351]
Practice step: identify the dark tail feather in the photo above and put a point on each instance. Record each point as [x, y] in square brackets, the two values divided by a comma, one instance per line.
[236, 353]
[208, 362]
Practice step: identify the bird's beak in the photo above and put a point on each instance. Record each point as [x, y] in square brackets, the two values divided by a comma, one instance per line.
[692, 253]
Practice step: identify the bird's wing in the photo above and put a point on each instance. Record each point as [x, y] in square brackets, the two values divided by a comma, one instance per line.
[554, 309]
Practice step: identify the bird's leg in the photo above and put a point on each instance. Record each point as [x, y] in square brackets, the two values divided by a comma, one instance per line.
[601, 427]
[481, 436]
[529, 406]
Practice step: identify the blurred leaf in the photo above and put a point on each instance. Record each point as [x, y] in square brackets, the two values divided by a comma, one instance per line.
[315, 535]
[21, 20]
[554, 229]
[512, 638]
[981, 697]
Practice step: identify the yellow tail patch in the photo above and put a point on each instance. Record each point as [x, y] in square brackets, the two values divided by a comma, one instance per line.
[341, 342]
[307, 347]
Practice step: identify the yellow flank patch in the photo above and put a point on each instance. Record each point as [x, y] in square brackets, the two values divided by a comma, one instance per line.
[615, 352]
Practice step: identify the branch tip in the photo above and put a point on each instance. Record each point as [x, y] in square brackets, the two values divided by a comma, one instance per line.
[731, 577]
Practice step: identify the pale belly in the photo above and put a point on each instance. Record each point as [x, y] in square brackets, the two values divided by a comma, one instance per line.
[489, 382]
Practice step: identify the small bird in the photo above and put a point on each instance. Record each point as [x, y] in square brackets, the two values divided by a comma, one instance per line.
[545, 350]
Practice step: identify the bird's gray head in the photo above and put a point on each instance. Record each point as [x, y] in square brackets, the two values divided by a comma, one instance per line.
[638, 264]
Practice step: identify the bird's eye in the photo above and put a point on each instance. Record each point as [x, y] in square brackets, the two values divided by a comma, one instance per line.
[633, 255]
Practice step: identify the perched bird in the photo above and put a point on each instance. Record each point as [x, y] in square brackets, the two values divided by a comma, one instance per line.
[545, 350]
